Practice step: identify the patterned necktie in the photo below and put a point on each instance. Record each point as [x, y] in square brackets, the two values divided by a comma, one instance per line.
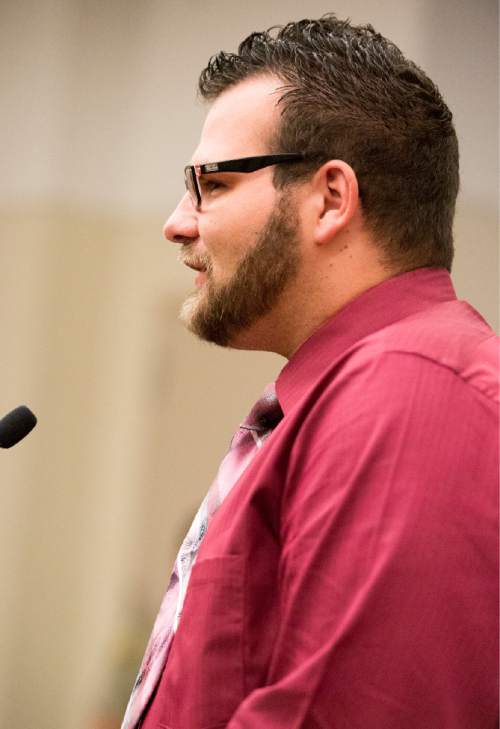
[248, 439]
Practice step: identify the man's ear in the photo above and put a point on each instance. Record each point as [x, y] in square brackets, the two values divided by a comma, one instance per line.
[337, 191]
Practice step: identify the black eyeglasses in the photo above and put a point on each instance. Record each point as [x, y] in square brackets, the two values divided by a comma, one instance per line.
[192, 173]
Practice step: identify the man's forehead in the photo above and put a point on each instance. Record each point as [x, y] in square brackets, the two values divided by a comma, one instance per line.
[240, 121]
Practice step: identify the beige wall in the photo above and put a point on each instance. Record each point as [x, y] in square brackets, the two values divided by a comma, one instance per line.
[98, 118]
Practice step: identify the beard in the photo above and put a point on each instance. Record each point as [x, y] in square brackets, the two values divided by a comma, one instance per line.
[218, 313]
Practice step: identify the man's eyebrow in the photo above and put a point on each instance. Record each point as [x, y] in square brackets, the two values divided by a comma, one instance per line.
[205, 161]
[196, 164]
[198, 159]
[211, 172]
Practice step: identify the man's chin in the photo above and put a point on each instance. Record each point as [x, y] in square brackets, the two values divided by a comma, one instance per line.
[190, 314]
[189, 309]
[195, 318]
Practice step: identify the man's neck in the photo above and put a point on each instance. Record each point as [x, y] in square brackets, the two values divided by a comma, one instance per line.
[302, 312]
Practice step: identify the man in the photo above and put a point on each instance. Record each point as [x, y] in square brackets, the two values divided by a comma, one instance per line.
[341, 572]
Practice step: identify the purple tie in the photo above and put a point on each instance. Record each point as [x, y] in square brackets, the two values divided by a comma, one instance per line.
[248, 439]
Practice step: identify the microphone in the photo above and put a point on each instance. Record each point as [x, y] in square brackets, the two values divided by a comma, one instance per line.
[16, 425]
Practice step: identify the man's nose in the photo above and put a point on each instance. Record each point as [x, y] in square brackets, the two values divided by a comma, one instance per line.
[182, 224]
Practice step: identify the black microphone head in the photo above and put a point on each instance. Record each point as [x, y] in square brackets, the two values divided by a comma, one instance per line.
[15, 425]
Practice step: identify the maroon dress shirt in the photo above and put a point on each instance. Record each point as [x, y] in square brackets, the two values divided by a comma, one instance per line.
[349, 579]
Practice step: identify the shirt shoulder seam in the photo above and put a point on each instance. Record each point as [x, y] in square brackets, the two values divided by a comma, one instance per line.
[442, 365]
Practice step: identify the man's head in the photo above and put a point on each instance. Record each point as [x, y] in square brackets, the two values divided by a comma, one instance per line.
[379, 150]
[350, 94]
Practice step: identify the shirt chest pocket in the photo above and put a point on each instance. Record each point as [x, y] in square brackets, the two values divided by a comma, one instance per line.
[202, 683]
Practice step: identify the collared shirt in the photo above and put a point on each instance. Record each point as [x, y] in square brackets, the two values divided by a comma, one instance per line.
[349, 580]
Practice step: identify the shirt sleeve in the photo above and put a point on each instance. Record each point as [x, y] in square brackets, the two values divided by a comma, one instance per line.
[388, 572]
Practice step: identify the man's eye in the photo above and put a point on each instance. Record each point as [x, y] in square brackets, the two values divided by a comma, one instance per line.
[210, 185]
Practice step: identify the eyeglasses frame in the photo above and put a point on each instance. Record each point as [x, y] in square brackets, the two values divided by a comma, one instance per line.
[192, 173]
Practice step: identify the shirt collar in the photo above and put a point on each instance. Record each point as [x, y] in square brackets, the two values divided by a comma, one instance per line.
[394, 299]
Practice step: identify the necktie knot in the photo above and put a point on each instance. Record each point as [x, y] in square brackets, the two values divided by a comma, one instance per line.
[266, 413]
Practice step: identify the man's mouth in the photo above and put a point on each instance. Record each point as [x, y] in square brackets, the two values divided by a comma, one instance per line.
[197, 262]
[198, 265]
[195, 266]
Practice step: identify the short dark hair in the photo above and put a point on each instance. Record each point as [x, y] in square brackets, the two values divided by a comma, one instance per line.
[350, 94]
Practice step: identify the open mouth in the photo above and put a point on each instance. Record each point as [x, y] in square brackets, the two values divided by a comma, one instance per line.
[200, 267]
[195, 265]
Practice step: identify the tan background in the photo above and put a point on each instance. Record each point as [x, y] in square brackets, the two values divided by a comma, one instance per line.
[98, 119]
